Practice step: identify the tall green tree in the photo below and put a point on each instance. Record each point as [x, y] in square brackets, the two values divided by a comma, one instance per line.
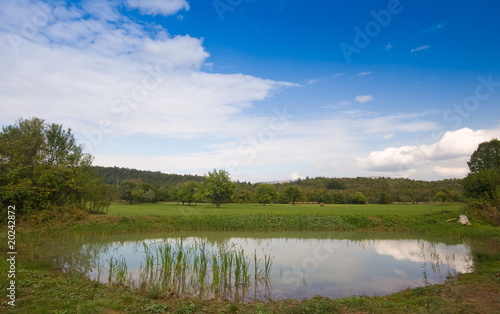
[482, 184]
[218, 186]
[126, 190]
[486, 156]
[42, 168]
[265, 193]
[189, 192]
[293, 193]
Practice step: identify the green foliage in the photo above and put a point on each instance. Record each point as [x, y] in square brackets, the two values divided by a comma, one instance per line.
[189, 192]
[321, 190]
[43, 168]
[137, 191]
[398, 190]
[218, 186]
[126, 189]
[483, 191]
[338, 198]
[384, 199]
[161, 181]
[293, 193]
[482, 184]
[265, 193]
[357, 198]
[441, 196]
[335, 184]
[486, 156]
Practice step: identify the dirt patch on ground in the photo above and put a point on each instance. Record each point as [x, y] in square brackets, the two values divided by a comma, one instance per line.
[473, 297]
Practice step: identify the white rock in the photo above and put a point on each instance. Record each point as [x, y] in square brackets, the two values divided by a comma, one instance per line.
[464, 220]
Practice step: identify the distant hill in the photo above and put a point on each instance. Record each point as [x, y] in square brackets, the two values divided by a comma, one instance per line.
[115, 175]
[397, 189]
[319, 189]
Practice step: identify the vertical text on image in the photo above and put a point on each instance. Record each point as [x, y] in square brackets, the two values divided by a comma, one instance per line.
[11, 245]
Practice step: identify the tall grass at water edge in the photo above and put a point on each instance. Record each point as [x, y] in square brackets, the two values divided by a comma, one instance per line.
[177, 269]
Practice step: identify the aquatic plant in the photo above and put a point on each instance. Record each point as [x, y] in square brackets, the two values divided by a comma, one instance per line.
[194, 270]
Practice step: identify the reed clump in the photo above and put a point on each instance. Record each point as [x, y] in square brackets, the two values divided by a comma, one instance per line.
[195, 270]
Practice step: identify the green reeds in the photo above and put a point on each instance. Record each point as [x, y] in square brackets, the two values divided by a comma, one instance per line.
[194, 270]
[117, 270]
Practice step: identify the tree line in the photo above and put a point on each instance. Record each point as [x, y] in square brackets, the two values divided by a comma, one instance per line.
[318, 190]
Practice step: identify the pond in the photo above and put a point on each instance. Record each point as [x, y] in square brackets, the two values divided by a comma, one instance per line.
[244, 266]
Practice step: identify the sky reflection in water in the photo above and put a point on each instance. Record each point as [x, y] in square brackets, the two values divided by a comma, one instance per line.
[333, 268]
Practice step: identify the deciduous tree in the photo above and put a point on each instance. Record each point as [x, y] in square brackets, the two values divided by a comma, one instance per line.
[265, 193]
[293, 193]
[482, 184]
[43, 168]
[218, 186]
[486, 156]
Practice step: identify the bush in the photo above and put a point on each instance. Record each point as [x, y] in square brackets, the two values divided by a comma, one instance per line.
[357, 198]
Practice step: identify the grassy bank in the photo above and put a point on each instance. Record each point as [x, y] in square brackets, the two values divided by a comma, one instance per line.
[204, 209]
[431, 219]
[41, 288]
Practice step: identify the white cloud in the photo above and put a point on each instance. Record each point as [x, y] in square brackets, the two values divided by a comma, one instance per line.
[434, 27]
[388, 46]
[419, 252]
[91, 72]
[445, 158]
[361, 74]
[312, 81]
[421, 48]
[451, 172]
[176, 52]
[162, 7]
[364, 98]
[105, 10]
[337, 105]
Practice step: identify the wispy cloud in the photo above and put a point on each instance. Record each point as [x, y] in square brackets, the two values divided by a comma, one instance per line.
[364, 98]
[361, 74]
[313, 81]
[434, 27]
[337, 105]
[337, 75]
[421, 48]
[159, 7]
[388, 46]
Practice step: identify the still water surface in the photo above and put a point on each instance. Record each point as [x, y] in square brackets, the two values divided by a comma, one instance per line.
[303, 264]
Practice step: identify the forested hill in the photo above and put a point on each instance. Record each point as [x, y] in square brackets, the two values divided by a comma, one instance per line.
[320, 189]
[393, 189]
[116, 175]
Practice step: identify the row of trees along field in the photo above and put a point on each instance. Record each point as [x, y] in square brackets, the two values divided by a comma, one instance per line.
[190, 189]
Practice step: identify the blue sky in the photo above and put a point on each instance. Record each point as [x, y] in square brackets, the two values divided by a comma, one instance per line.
[268, 90]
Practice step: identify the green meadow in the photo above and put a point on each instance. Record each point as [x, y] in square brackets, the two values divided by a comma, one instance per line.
[173, 209]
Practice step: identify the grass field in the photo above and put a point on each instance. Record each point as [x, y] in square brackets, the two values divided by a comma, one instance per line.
[431, 219]
[173, 209]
